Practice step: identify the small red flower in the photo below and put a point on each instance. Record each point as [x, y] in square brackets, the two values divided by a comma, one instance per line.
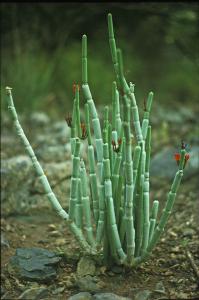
[177, 157]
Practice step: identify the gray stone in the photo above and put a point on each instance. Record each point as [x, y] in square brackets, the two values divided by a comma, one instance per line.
[117, 269]
[34, 264]
[71, 256]
[34, 294]
[58, 290]
[39, 119]
[87, 284]
[55, 153]
[188, 232]
[143, 295]
[62, 131]
[56, 173]
[81, 296]
[172, 116]
[4, 241]
[21, 189]
[86, 266]
[16, 177]
[108, 296]
[2, 290]
[160, 288]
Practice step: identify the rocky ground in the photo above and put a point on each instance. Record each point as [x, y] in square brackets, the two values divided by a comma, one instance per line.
[28, 222]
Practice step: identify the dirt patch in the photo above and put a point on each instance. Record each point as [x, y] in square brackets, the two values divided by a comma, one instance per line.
[167, 265]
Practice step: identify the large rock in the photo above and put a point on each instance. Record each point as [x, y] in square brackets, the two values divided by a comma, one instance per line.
[34, 264]
[88, 284]
[178, 117]
[39, 119]
[81, 296]
[56, 153]
[21, 189]
[16, 178]
[108, 296]
[86, 266]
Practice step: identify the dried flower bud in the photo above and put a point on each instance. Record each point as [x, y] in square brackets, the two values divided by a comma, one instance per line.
[69, 120]
[119, 141]
[145, 109]
[75, 86]
[116, 147]
[84, 131]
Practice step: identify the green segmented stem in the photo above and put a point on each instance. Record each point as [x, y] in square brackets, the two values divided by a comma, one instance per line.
[115, 184]
[88, 124]
[118, 199]
[116, 174]
[111, 152]
[73, 128]
[128, 214]
[146, 200]
[136, 159]
[110, 205]
[113, 45]
[139, 213]
[145, 121]
[100, 225]
[136, 121]
[93, 181]
[148, 152]
[79, 131]
[117, 118]
[92, 108]
[153, 218]
[74, 179]
[42, 177]
[114, 137]
[126, 90]
[84, 60]
[78, 208]
[124, 86]
[168, 206]
[146, 223]
[86, 204]
[148, 106]
[114, 88]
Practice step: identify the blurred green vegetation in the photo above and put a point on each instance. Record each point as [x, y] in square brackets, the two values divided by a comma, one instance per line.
[41, 52]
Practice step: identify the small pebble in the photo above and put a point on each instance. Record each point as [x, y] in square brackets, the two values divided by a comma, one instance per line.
[51, 227]
[55, 233]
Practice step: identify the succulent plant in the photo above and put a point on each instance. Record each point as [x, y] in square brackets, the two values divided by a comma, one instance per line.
[110, 210]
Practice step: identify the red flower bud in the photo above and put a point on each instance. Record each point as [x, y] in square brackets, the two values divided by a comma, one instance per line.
[177, 158]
